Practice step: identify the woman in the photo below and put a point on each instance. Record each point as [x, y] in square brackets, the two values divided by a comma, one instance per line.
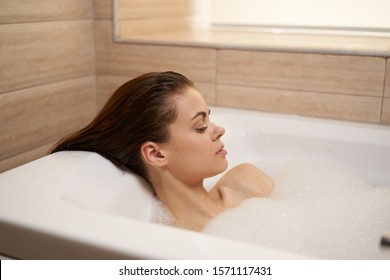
[157, 125]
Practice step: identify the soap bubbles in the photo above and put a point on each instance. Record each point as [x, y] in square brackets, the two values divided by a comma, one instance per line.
[319, 209]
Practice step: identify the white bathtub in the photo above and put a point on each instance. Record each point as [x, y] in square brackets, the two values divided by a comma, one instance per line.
[77, 205]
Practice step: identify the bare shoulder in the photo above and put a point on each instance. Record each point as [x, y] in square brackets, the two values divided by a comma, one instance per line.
[242, 182]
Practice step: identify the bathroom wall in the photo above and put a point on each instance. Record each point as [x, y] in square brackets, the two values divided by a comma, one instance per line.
[118, 62]
[386, 99]
[47, 75]
[343, 86]
[157, 16]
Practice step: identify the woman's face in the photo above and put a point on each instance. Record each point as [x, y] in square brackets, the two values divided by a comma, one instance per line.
[195, 150]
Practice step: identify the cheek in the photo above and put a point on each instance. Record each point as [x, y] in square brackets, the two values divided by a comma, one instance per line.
[192, 142]
[191, 150]
[200, 147]
[194, 157]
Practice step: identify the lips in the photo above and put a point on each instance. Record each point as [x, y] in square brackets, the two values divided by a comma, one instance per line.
[222, 151]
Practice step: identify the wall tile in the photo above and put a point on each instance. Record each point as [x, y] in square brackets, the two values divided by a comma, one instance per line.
[12, 11]
[333, 106]
[209, 92]
[354, 75]
[107, 84]
[135, 9]
[386, 111]
[37, 53]
[387, 81]
[126, 29]
[198, 64]
[102, 9]
[33, 117]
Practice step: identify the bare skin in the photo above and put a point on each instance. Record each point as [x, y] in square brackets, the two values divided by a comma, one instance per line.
[240, 183]
[195, 152]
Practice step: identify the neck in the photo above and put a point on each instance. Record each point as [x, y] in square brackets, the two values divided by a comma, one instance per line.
[189, 203]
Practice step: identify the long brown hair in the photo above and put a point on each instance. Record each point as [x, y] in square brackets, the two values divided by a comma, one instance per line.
[139, 111]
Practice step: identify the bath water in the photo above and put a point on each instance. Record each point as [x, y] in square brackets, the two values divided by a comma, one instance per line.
[320, 209]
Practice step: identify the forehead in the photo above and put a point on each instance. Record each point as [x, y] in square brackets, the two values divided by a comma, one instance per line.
[189, 104]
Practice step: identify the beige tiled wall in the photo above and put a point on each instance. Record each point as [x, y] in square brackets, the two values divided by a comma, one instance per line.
[12, 11]
[102, 9]
[47, 70]
[355, 75]
[42, 52]
[135, 59]
[139, 17]
[129, 60]
[304, 103]
[135, 9]
[327, 86]
[342, 87]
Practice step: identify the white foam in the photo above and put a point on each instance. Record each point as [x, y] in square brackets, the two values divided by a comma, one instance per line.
[316, 180]
[161, 214]
[318, 209]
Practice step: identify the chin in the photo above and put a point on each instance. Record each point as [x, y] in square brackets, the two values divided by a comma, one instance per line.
[223, 167]
[215, 172]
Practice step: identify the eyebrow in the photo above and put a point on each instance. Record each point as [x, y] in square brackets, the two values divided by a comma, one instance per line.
[201, 113]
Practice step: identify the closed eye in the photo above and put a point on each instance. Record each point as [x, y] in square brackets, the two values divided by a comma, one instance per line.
[201, 129]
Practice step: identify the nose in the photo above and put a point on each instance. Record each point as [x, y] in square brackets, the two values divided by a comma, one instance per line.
[218, 132]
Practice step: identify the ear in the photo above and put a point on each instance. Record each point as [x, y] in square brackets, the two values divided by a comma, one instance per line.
[153, 155]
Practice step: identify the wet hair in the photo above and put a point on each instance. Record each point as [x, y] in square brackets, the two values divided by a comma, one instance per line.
[140, 110]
